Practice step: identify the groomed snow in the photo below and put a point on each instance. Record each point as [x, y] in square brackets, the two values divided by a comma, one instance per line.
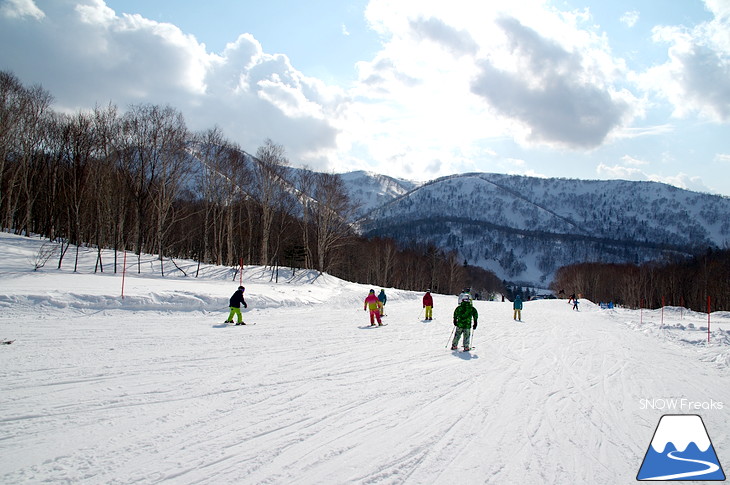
[151, 389]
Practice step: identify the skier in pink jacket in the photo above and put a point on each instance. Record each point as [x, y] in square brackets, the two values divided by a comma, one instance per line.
[375, 306]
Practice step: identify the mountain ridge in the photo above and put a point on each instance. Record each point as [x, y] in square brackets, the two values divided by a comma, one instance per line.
[524, 228]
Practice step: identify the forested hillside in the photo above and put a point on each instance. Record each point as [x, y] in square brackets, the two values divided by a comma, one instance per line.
[139, 181]
[525, 228]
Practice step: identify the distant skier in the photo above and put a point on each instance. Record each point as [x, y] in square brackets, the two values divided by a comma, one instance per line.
[517, 306]
[375, 306]
[466, 293]
[575, 304]
[463, 315]
[382, 298]
[235, 305]
[428, 305]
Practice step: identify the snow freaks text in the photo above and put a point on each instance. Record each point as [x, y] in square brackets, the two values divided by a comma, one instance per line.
[679, 404]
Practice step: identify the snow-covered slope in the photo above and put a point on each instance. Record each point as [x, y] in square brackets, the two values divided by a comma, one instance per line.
[524, 228]
[151, 389]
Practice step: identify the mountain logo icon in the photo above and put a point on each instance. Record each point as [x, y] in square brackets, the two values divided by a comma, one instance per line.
[681, 450]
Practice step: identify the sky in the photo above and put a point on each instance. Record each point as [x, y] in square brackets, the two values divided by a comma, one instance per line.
[634, 90]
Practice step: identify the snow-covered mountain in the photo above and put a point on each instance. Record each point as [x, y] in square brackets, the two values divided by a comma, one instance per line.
[525, 228]
[370, 190]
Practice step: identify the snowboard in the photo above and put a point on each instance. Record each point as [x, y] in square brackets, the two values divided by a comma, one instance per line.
[7, 342]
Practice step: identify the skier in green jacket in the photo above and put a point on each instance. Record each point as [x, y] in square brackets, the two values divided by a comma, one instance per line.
[463, 315]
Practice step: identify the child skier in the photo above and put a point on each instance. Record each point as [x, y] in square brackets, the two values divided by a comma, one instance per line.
[383, 299]
[235, 305]
[517, 306]
[375, 306]
[428, 305]
[463, 315]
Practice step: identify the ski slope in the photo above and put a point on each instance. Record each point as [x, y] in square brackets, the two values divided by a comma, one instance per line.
[152, 389]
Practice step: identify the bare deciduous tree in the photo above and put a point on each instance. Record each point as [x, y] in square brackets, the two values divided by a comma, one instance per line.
[268, 189]
[331, 214]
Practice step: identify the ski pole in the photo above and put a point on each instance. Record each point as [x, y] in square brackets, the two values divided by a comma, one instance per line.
[419, 315]
[451, 336]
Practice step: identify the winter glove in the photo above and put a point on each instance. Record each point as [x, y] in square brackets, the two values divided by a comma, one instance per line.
[475, 326]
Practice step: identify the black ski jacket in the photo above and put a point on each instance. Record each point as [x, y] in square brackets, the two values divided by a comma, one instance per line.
[237, 300]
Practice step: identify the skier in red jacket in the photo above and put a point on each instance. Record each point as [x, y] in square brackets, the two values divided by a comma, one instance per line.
[428, 305]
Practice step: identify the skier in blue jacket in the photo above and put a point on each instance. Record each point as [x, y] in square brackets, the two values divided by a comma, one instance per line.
[517, 306]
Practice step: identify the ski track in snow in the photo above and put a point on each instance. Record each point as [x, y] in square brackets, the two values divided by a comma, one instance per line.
[90, 394]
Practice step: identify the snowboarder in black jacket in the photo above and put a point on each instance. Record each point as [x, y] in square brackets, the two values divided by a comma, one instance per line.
[235, 306]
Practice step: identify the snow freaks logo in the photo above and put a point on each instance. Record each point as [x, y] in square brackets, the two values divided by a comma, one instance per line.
[681, 450]
[682, 404]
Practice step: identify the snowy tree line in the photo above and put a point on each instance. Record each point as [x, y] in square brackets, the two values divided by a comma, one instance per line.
[140, 181]
[681, 282]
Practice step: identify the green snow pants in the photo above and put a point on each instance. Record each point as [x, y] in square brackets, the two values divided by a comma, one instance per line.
[237, 312]
[458, 333]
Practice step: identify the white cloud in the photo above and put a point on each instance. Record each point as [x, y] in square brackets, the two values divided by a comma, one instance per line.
[635, 162]
[20, 9]
[457, 41]
[630, 18]
[696, 78]
[98, 56]
[630, 132]
[452, 76]
[683, 181]
[680, 180]
[620, 172]
[562, 100]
